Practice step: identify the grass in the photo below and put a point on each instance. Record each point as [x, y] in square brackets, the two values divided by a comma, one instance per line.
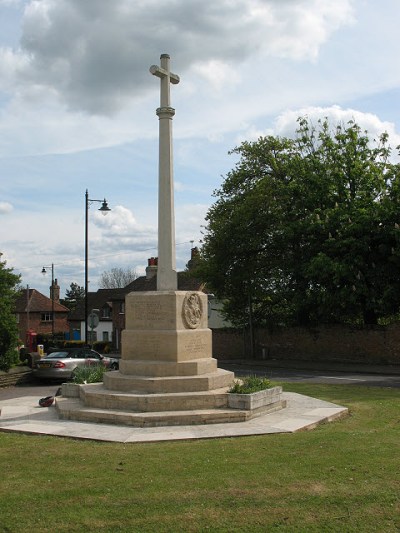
[340, 477]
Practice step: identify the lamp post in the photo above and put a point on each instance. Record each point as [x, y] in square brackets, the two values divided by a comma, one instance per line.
[104, 209]
[44, 272]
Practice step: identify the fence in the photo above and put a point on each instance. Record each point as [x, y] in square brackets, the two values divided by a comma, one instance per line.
[373, 345]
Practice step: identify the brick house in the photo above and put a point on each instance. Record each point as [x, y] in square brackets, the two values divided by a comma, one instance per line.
[34, 312]
[101, 301]
[111, 304]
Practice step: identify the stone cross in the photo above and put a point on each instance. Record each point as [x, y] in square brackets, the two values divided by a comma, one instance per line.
[166, 274]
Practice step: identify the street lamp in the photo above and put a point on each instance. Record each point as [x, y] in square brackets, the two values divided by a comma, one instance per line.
[44, 272]
[104, 210]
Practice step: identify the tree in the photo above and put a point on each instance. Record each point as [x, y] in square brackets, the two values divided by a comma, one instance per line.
[117, 278]
[306, 230]
[8, 322]
[73, 296]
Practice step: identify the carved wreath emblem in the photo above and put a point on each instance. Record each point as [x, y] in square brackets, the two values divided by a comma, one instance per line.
[192, 310]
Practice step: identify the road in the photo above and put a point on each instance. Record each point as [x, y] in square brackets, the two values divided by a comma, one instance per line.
[316, 376]
[39, 390]
[272, 372]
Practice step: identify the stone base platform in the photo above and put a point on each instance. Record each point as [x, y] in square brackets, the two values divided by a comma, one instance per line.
[21, 413]
[95, 403]
[168, 384]
[167, 375]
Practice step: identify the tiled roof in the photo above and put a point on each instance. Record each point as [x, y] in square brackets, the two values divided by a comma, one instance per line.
[96, 300]
[35, 302]
[185, 283]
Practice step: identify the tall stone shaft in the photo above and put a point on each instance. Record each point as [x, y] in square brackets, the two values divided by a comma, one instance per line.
[166, 274]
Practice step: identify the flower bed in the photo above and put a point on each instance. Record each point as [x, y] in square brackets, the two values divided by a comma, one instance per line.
[255, 400]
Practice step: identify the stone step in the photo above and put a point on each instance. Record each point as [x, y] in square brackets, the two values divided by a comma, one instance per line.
[168, 368]
[117, 381]
[69, 409]
[96, 395]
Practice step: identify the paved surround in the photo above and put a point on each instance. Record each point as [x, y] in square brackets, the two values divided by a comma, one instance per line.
[23, 414]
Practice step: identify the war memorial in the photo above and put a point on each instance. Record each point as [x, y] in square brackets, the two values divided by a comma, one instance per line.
[167, 375]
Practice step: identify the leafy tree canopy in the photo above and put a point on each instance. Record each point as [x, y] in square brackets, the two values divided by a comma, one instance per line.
[117, 278]
[73, 296]
[307, 229]
[8, 322]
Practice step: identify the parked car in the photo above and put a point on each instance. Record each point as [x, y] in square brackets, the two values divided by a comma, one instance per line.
[114, 361]
[62, 364]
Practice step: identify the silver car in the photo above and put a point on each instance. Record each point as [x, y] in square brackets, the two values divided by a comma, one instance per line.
[62, 364]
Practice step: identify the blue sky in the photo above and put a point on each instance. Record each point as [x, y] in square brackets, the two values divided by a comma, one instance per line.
[77, 111]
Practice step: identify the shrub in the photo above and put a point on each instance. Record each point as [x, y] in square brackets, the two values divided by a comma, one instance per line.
[9, 359]
[24, 355]
[89, 374]
[102, 346]
[73, 344]
[9, 355]
[250, 384]
[50, 341]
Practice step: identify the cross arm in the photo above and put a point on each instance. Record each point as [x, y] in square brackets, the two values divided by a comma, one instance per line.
[162, 73]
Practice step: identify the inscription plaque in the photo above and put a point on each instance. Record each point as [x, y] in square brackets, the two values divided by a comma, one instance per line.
[148, 310]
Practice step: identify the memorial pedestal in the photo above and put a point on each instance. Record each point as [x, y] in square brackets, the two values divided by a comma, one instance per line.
[167, 374]
[167, 346]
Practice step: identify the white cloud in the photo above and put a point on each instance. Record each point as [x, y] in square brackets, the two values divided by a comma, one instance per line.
[120, 229]
[74, 77]
[8, 3]
[286, 123]
[117, 239]
[80, 79]
[94, 56]
[5, 208]
[299, 28]
[218, 74]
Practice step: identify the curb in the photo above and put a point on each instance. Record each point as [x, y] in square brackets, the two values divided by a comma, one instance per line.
[15, 376]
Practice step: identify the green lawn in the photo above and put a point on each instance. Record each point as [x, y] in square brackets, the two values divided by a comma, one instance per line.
[343, 476]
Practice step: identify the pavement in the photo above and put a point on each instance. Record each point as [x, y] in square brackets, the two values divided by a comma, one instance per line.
[20, 412]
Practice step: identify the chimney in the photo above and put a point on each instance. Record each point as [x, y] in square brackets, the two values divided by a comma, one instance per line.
[151, 269]
[55, 289]
[194, 255]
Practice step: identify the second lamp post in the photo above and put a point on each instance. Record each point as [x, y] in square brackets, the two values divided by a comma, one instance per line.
[104, 209]
[44, 272]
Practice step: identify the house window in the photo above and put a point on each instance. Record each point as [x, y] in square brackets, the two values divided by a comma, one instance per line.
[105, 336]
[122, 308]
[92, 336]
[46, 317]
[106, 312]
[17, 318]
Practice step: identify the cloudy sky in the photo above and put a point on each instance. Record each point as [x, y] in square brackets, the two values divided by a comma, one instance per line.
[77, 111]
